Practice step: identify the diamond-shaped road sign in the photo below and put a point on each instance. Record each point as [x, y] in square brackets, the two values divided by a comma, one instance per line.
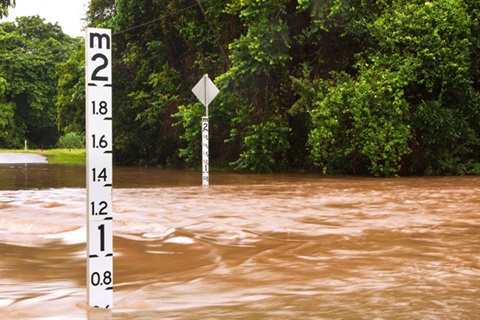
[205, 90]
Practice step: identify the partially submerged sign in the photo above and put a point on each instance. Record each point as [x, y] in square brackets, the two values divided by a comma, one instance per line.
[205, 90]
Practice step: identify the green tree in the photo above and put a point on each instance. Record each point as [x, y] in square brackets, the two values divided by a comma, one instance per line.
[100, 12]
[4, 4]
[10, 134]
[257, 83]
[29, 52]
[70, 94]
[155, 66]
[146, 62]
[410, 101]
[433, 40]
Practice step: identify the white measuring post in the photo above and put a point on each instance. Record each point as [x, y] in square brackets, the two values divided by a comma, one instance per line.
[205, 90]
[205, 167]
[98, 116]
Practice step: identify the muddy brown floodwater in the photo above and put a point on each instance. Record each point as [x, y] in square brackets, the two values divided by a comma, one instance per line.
[247, 247]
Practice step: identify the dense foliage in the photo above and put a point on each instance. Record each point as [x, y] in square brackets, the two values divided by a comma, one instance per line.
[30, 49]
[343, 86]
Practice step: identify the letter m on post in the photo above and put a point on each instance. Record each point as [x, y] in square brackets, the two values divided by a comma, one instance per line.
[99, 37]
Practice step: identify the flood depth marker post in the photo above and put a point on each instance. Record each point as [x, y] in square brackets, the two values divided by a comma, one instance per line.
[98, 116]
[205, 90]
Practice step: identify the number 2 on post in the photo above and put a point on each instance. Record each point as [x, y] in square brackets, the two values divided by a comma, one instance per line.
[104, 65]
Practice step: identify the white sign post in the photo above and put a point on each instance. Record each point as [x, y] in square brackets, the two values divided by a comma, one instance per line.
[98, 115]
[205, 167]
[205, 90]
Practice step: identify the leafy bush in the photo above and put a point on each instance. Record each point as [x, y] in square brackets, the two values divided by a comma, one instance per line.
[265, 146]
[190, 118]
[71, 140]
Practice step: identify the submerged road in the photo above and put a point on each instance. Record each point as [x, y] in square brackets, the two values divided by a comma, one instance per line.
[10, 157]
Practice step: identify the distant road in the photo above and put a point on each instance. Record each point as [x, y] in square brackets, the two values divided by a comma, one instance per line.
[8, 157]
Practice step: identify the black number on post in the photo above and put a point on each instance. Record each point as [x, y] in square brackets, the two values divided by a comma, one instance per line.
[103, 207]
[107, 277]
[102, 108]
[96, 278]
[95, 76]
[101, 228]
[102, 143]
[101, 175]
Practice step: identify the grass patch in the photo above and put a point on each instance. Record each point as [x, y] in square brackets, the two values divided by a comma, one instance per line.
[73, 156]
